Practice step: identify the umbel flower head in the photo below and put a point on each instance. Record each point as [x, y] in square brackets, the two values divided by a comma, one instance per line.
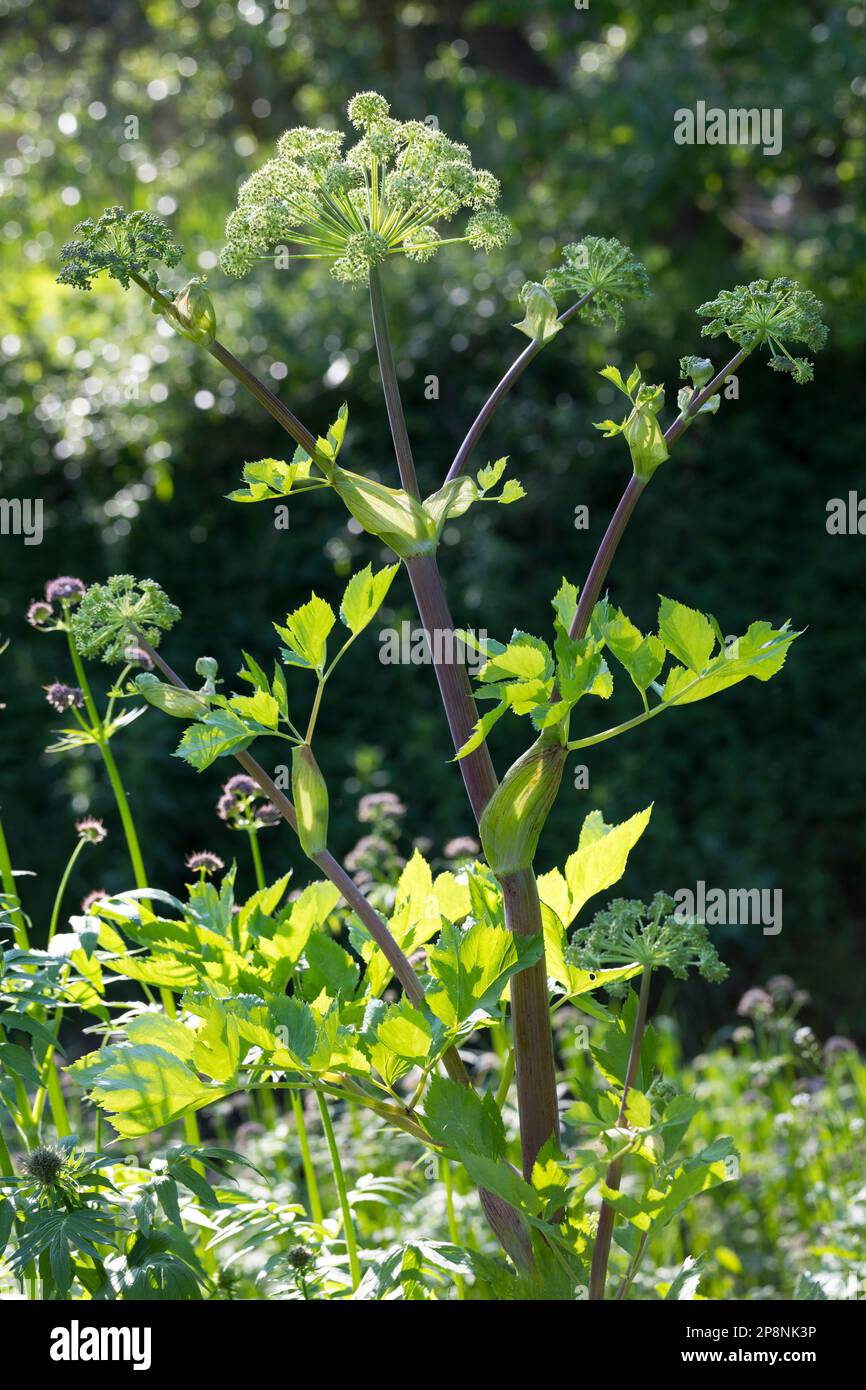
[771, 312]
[381, 197]
[120, 244]
[112, 616]
[605, 270]
[634, 933]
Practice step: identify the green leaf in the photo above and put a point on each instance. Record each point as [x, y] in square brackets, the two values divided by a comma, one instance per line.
[471, 967]
[459, 1118]
[261, 708]
[220, 734]
[525, 657]
[760, 653]
[642, 657]
[489, 476]
[565, 605]
[481, 730]
[686, 1281]
[404, 1038]
[142, 1087]
[364, 595]
[329, 968]
[597, 864]
[688, 635]
[306, 631]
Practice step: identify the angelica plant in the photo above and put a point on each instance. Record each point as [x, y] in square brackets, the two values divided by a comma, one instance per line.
[355, 210]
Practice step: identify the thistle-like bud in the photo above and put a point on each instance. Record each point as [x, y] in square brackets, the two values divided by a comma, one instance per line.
[515, 815]
[192, 313]
[310, 796]
[643, 433]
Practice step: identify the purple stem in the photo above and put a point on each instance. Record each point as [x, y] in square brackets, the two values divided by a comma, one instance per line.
[500, 391]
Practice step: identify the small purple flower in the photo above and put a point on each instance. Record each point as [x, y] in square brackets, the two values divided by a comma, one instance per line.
[65, 587]
[204, 861]
[241, 785]
[39, 614]
[461, 847]
[268, 814]
[380, 806]
[755, 1003]
[63, 697]
[91, 829]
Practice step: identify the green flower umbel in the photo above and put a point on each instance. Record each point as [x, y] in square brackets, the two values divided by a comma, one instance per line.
[774, 313]
[113, 616]
[654, 936]
[355, 208]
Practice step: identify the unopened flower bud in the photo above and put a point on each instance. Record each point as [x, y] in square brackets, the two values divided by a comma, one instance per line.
[540, 319]
[514, 816]
[310, 796]
[192, 313]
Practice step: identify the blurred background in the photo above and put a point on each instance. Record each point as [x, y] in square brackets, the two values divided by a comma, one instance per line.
[132, 437]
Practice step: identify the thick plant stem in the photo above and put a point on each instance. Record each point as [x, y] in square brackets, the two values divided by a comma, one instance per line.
[537, 1102]
[607, 1216]
[7, 880]
[452, 678]
[390, 387]
[604, 555]
[535, 1066]
[506, 1222]
[340, 1181]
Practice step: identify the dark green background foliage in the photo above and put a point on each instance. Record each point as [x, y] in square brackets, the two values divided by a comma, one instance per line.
[574, 110]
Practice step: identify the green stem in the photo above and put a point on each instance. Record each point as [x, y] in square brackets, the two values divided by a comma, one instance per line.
[190, 1123]
[505, 1079]
[5, 1158]
[313, 1197]
[7, 879]
[340, 1181]
[607, 1216]
[58, 897]
[256, 853]
[453, 1230]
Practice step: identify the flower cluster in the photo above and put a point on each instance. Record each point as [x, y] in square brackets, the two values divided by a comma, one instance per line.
[380, 197]
[43, 613]
[91, 829]
[63, 697]
[633, 933]
[204, 862]
[51, 1173]
[111, 617]
[605, 270]
[244, 806]
[121, 244]
[774, 313]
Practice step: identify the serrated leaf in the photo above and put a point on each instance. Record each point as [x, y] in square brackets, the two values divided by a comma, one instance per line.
[306, 630]
[364, 595]
[687, 634]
